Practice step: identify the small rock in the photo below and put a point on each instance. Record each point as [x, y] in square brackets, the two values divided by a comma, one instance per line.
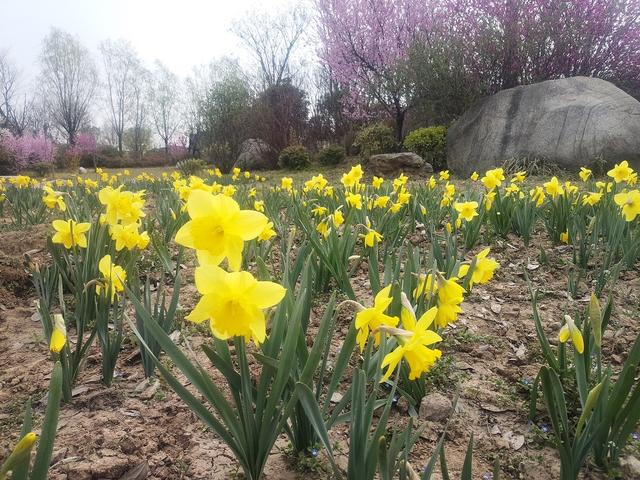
[435, 407]
[631, 466]
[336, 397]
[402, 405]
[515, 441]
[82, 170]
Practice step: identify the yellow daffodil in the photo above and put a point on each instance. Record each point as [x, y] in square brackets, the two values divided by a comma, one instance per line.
[377, 182]
[450, 296]
[323, 229]
[337, 218]
[128, 236]
[466, 210]
[234, 303]
[286, 183]
[519, 177]
[620, 172]
[352, 178]
[371, 238]
[630, 204]
[592, 198]
[585, 174]
[319, 211]
[570, 330]
[369, 319]
[427, 285]
[537, 195]
[267, 233]
[381, 201]
[474, 177]
[444, 175]
[218, 228]
[414, 340]
[512, 190]
[483, 271]
[58, 334]
[489, 199]
[19, 455]
[553, 187]
[113, 277]
[121, 206]
[564, 237]
[53, 199]
[354, 200]
[70, 233]
[493, 178]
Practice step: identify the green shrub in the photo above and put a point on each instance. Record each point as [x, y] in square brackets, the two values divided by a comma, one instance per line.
[375, 138]
[191, 166]
[430, 143]
[295, 157]
[331, 155]
[42, 169]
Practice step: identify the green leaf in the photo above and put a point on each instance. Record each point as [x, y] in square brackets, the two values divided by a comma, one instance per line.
[310, 405]
[49, 426]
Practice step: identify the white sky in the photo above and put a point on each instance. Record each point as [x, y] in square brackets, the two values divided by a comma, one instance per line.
[180, 33]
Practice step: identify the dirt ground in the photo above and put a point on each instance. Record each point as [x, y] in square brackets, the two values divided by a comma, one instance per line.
[134, 430]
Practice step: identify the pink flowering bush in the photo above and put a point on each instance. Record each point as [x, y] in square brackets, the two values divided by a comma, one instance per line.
[26, 151]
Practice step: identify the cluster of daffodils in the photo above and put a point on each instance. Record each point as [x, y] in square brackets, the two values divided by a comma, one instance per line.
[415, 336]
[233, 302]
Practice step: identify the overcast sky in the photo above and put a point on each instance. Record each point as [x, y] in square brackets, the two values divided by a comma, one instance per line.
[180, 33]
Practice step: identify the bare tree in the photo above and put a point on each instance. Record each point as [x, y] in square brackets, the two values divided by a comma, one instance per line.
[139, 131]
[120, 64]
[69, 80]
[15, 106]
[165, 103]
[273, 41]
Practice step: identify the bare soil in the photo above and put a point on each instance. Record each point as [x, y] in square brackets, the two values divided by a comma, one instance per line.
[136, 429]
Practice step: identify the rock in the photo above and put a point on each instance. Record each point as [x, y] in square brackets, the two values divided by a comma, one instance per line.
[256, 154]
[82, 170]
[435, 407]
[631, 466]
[336, 397]
[392, 164]
[569, 122]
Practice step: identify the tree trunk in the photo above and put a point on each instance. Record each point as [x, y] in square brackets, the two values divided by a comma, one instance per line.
[120, 143]
[399, 125]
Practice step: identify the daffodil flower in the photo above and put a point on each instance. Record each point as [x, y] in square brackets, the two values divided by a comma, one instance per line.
[70, 233]
[58, 334]
[466, 210]
[368, 319]
[570, 330]
[19, 454]
[621, 172]
[112, 279]
[218, 228]
[414, 340]
[483, 270]
[450, 296]
[629, 203]
[234, 302]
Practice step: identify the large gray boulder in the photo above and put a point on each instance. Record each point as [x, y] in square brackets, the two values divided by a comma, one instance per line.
[570, 122]
[392, 164]
[256, 154]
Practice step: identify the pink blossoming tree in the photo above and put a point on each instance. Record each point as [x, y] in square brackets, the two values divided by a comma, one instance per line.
[497, 43]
